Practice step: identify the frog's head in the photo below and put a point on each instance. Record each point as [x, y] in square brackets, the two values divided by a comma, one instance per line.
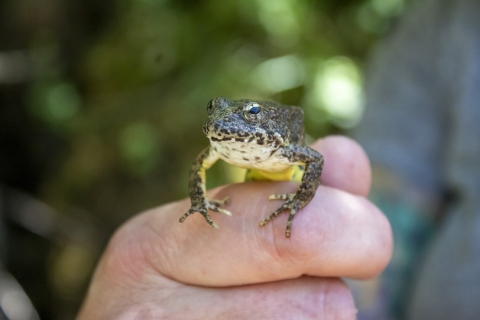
[243, 122]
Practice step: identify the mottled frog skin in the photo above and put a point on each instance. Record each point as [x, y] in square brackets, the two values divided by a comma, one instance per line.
[264, 136]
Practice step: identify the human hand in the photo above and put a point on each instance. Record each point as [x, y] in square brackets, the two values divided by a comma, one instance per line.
[157, 268]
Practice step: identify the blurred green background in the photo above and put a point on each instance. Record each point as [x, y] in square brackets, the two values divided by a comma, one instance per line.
[102, 103]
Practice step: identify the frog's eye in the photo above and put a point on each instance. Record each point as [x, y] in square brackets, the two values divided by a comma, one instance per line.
[252, 112]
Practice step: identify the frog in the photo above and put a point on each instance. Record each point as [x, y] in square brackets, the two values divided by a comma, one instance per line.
[265, 137]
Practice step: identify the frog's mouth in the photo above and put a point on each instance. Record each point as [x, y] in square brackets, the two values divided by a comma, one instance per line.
[215, 132]
[247, 141]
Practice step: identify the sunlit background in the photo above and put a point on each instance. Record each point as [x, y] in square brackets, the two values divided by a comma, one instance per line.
[102, 102]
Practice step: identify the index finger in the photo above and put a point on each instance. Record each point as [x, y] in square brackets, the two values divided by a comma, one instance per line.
[337, 234]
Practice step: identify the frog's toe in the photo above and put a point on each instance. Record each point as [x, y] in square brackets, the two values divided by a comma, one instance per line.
[213, 224]
[215, 205]
[217, 209]
[185, 216]
[274, 215]
[228, 213]
[209, 220]
[293, 212]
[203, 207]
[219, 203]
[203, 211]
[289, 205]
[288, 196]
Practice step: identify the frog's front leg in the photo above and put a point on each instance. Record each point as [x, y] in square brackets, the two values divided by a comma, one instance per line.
[310, 182]
[197, 189]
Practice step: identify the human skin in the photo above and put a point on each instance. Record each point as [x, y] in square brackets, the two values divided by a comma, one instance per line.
[157, 268]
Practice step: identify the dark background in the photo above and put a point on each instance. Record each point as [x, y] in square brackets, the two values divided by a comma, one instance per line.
[102, 102]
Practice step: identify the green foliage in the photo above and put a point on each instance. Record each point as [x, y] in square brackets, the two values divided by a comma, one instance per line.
[132, 106]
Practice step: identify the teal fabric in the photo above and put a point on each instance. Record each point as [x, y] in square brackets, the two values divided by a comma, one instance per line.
[412, 229]
[422, 123]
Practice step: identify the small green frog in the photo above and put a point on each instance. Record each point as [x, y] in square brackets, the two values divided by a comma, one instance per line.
[265, 137]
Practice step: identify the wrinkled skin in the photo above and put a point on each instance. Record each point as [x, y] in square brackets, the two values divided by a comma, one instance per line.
[156, 268]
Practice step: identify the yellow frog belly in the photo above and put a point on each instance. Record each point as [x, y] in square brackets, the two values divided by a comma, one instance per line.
[293, 173]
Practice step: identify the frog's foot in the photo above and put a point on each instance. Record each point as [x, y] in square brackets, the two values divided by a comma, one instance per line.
[288, 196]
[203, 208]
[215, 205]
[291, 205]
